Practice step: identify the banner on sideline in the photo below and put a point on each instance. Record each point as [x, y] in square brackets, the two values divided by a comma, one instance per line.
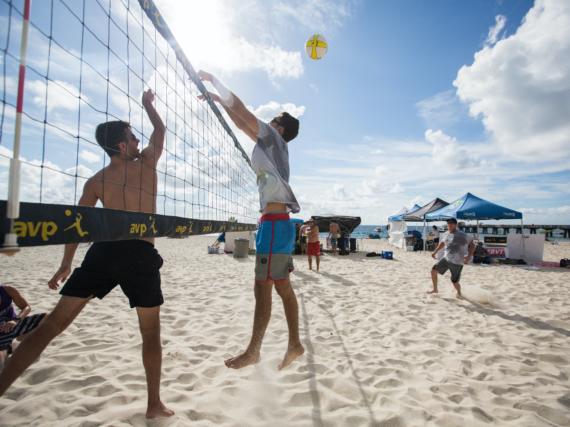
[46, 224]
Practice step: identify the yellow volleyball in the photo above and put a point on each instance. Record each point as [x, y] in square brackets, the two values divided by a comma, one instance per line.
[316, 46]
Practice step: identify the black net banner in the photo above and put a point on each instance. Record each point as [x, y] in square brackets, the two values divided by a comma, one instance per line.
[46, 224]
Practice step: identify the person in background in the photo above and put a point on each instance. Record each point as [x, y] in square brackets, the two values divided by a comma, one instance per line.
[14, 326]
[314, 244]
[334, 235]
[435, 235]
[220, 239]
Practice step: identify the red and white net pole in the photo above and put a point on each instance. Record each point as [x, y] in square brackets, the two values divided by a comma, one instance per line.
[13, 206]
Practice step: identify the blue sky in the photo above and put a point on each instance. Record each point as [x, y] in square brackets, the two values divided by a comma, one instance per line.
[414, 99]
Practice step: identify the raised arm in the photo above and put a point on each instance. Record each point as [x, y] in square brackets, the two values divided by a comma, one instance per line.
[155, 146]
[236, 109]
[88, 198]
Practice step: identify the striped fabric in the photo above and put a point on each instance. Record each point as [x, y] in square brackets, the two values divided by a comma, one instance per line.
[23, 327]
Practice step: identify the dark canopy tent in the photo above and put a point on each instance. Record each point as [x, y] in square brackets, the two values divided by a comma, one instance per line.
[418, 215]
[471, 207]
[347, 224]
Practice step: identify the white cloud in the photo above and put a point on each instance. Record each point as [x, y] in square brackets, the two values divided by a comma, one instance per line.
[396, 189]
[495, 30]
[207, 32]
[448, 153]
[520, 86]
[441, 110]
[60, 94]
[90, 156]
[271, 109]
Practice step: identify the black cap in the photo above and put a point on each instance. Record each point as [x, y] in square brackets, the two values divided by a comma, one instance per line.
[451, 221]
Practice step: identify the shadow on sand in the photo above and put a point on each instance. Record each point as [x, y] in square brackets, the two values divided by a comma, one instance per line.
[317, 418]
[530, 322]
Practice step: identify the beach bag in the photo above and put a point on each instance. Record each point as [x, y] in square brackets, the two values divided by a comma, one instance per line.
[371, 254]
[565, 263]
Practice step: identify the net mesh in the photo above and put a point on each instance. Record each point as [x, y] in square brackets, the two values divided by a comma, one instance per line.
[89, 62]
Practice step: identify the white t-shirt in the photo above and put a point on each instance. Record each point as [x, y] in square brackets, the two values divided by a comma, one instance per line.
[456, 246]
[270, 161]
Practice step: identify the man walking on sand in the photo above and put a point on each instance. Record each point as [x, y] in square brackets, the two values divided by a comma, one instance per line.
[128, 183]
[314, 243]
[276, 235]
[459, 249]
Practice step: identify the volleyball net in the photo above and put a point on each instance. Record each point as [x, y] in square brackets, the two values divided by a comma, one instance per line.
[88, 62]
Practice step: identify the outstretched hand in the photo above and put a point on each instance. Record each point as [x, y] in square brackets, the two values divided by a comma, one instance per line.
[205, 76]
[60, 276]
[215, 97]
[148, 97]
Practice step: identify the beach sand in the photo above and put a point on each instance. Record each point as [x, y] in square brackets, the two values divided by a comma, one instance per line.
[379, 350]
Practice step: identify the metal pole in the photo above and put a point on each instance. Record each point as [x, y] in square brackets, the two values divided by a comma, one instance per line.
[10, 243]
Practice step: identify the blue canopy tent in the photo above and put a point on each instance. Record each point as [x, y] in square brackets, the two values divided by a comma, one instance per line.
[471, 207]
[404, 211]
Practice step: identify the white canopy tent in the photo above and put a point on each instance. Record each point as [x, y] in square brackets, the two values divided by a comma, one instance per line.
[398, 228]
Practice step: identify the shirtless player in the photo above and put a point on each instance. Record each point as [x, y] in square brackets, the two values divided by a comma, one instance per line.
[128, 183]
[314, 244]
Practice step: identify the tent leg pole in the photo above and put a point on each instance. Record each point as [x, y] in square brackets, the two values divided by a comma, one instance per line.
[522, 240]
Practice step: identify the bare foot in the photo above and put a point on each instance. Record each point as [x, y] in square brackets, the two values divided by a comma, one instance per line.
[459, 296]
[243, 360]
[291, 355]
[158, 410]
[433, 291]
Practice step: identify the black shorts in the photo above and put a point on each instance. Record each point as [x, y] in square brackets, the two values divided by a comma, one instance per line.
[443, 265]
[132, 264]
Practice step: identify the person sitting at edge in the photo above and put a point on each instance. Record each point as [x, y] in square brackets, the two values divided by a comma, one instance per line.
[459, 249]
[314, 244]
[276, 235]
[128, 183]
[14, 326]
[334, 235]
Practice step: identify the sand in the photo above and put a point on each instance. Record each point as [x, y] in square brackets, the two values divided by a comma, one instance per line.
[380, 351]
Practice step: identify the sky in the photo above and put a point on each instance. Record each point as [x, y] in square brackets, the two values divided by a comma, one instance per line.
[414, 100]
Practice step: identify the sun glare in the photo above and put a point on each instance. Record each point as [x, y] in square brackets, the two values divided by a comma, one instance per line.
[203, 30]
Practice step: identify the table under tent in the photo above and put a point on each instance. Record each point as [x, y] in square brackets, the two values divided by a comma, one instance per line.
[397, 229]
[419, 215]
